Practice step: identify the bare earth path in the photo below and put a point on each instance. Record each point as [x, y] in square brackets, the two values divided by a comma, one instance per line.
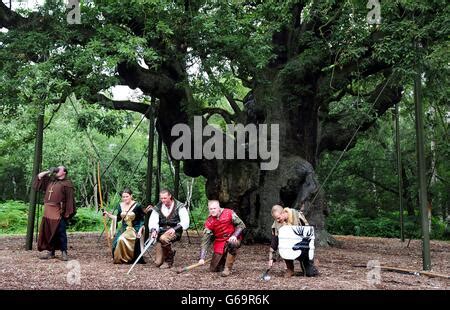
[20, 269]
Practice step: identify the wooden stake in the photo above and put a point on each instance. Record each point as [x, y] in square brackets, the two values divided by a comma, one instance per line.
[101, 207]
[409, 271]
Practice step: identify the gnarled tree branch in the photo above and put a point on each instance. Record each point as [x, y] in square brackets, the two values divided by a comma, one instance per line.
[122, 104]
[335, 136]
[156, 84]
[214, 110]
[233, 103]
[361, 175]
[9, 18]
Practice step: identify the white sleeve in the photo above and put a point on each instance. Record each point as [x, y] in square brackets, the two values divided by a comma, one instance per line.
[153, 222]
[184, 218]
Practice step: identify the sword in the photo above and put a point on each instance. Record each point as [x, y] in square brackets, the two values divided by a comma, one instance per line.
[265, 276]
[151, 242]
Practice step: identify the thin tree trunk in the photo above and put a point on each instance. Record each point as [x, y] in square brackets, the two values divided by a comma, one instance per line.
[149, 183]
[95, 189]
[406, 196]
[158, 168]
[36, 167]
[398, 158]
[13, 180]
[151, 142]
[423, 200]
[176, 185]
[433, 178]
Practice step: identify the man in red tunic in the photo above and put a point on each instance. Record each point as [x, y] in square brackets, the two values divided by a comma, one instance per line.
[225, 227]
[59, 206]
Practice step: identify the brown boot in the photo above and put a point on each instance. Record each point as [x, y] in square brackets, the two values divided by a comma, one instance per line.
[159, 260]
[64, 256]
[217, 262]
[310, 269]
[166, 253]
[228, 265]
[169, 259]
[48, 255]
[290, 268]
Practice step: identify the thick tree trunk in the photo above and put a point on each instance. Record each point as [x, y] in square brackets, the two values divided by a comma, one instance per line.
[293, 91]
[295, 94]
[251, 192]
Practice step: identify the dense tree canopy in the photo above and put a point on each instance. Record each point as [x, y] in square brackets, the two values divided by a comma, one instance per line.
[317, 68]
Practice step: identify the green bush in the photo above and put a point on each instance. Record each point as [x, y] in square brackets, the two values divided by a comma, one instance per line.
[13, 217]
[86, 219]
[344, 223]
[438, 229]
[382, 227]
[386, 224]
[198, 217]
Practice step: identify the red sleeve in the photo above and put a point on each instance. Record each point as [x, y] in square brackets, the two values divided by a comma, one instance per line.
[209, 224]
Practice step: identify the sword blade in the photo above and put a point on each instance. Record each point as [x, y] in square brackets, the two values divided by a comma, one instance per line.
[142, 254]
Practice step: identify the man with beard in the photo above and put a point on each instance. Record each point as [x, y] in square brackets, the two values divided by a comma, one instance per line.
[288, 216]
[59, 206]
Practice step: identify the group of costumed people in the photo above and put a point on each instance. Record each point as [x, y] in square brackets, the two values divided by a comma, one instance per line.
[168, 219]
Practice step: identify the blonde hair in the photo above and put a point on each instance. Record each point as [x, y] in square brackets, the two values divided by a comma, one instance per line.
[290, 218]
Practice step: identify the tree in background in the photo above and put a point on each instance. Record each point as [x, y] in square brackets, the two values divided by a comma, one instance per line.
[314, 67]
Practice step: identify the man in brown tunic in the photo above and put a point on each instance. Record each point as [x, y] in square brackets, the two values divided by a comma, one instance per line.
[59, 206]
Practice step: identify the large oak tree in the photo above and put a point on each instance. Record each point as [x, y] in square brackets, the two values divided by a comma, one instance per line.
[316, 68]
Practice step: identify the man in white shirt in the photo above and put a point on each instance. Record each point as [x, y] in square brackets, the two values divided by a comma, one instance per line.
[167, 222]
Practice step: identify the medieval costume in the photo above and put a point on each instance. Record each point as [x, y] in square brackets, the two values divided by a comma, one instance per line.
[59, 206]
[220, 229]
[163, 218]
[126, 246]
[295, 218]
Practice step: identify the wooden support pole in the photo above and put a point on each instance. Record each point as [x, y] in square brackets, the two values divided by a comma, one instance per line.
[149, 185]
[36, 167]
[176, 186]
[151, 142]
[408, 271]
[399, 170]
[158, 168]
[421, 170]
[99, 184]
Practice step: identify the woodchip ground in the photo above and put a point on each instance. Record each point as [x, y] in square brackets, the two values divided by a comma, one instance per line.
[341, 268]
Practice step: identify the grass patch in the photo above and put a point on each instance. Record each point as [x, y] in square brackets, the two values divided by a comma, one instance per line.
[14, 218]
